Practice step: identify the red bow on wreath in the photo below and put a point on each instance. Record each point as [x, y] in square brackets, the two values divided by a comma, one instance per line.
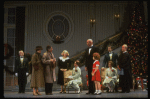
[112, 70]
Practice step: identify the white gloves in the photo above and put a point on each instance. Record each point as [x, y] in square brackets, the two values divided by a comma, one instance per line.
[16, 74]
[27, 74]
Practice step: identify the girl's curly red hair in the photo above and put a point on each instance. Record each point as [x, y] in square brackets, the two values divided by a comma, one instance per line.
[96, 56]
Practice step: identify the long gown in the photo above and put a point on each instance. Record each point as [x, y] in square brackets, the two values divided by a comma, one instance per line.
[110, 73]
[62, 64]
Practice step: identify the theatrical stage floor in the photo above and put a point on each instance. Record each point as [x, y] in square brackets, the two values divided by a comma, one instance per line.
[72, 94]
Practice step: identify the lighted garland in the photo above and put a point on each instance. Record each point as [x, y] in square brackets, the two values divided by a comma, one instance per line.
[138, 42]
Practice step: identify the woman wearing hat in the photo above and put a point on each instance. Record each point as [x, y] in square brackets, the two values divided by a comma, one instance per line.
[37, 78]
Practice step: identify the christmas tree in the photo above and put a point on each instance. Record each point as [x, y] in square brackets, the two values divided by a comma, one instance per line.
[138, 42]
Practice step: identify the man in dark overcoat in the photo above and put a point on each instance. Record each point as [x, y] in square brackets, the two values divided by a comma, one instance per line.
[124, 62]
[21, 70]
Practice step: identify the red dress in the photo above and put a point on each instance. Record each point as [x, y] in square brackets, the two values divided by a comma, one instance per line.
[96, 76]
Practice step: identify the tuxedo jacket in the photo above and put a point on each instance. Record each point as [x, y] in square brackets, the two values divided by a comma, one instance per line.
[107, 58]
[21, 69]
[19, 65]
[89, 57]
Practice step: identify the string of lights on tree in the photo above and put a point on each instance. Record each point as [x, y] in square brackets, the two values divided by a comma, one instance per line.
[138, 42]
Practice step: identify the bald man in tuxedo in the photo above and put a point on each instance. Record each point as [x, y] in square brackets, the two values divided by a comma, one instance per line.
[88, 58]
[21, 70]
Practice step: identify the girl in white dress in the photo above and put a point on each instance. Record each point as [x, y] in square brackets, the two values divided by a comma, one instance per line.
[110, 77]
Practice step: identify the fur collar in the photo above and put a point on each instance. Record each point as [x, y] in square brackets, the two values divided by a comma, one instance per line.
[61, 58]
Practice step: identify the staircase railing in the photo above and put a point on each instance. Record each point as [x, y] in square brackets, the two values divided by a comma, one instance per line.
[116, 41]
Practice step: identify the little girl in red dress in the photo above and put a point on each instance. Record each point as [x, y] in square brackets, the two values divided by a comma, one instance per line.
[96, 73]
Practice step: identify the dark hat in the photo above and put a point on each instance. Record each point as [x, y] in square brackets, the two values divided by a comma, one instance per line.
[39, 48]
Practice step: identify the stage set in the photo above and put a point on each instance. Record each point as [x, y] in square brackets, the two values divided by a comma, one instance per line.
[100, 48]
[137, 94]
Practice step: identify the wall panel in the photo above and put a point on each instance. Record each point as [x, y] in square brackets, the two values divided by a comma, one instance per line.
[79, 13]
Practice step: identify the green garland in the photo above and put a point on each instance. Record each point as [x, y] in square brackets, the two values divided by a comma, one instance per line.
[11, 51]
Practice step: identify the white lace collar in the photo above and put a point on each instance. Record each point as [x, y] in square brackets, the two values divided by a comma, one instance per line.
[61, 58]
[112, 68]
[95, 61]
[77, 67]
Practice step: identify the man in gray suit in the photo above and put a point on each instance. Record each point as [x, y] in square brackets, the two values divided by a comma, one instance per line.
[49, 69]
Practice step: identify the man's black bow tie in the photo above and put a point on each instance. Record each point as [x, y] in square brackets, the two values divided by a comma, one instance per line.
[110, 52]
[90, 47]
[21, 57]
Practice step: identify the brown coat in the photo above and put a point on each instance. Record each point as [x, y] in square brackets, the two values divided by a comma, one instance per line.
[49, 73]
[37, 77]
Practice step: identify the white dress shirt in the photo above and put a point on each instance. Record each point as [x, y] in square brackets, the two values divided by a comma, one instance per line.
[21, 58]
[90, 49]
[110, 55]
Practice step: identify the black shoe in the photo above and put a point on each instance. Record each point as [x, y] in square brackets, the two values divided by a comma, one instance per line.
[122, 92]
[88, 93]
[107, 91]
[127, 91]
[49, 94]
[116, 91]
